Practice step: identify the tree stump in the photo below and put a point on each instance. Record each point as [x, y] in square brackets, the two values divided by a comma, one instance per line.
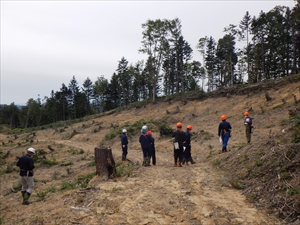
[268, 96]
[105, 163]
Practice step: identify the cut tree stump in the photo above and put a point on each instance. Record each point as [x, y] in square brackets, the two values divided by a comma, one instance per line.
[105, 163]
[268, 96]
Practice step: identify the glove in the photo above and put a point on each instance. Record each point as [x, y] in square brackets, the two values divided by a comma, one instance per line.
[123, 146]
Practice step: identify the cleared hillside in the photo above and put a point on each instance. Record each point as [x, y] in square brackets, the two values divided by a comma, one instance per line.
[251, 184]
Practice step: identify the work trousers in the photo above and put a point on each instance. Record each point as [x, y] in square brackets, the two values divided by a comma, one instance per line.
[248, 132]
[187, 156]
[27, 184]
[153, 156]
[225, 138]
[178, 154]
[146, 152]
[124, 151]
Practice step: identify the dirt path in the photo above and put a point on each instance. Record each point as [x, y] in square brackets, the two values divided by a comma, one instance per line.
[159, 194]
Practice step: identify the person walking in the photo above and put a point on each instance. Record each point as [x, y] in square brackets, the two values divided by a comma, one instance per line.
[248, 126]
[179, 138]
[124, 144]
[145, 141]
[187, 156]
[224, 132]
[26, 165]
[152, 153]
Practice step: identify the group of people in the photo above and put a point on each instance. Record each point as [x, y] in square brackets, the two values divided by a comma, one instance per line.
[147, 143]
[182, 146]
[224, 130]
[182, 149]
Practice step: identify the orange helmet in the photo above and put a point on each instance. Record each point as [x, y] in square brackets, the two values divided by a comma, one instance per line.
[190, 127]
[150, 132]
[179, 125]
[246, 113]
[223, 117]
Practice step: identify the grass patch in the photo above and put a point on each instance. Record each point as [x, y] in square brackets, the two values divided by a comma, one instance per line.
[216, 162]
[41, 194]
[65, 185]
[83, 181]
[124, 169]
[92, 163]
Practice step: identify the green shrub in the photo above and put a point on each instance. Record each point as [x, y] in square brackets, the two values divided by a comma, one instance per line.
[124, 169]
[49, 162]
[67, 185]
[165, 129]
[83, 181]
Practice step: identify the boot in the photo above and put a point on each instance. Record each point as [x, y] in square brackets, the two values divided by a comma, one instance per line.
[192, 161]
[23, 193]
[175, 164]
[144, 162]
[183, 162]
[25, 198]
[225, 149]
[179, 164]
[123, 158]
[148, 162]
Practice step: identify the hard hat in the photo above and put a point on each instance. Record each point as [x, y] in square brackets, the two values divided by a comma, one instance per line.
[179, 125]
[246, 113]
[190, 127]
[150, 132]
[223, 117]
[31, 150]
[144, 127]
[124, 131]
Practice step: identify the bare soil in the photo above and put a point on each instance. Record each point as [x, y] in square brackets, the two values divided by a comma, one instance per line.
[202, 193]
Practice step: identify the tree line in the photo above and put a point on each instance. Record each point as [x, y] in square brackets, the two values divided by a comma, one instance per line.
[272, 51]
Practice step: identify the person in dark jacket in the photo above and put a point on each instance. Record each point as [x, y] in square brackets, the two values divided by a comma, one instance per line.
[145, 141]
[124, 144]
[26, 165]
[248, 126]
[224, 132]
[179, 138]
[153, 155]
[187, 156]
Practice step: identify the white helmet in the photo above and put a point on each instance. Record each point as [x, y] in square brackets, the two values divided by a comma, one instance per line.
[31, 150]
[124, 131]
[144, 127]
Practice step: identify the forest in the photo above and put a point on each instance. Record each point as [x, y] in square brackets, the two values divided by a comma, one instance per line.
[272, 51]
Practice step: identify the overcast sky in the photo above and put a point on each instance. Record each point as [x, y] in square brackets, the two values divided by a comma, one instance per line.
[46, 43]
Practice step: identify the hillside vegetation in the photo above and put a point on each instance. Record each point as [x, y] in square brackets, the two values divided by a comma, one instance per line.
[256, 183]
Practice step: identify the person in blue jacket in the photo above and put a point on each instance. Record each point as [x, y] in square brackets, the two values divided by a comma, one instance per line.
[124, 144]
[187, 156]
[145, 141]
[224, 132]
[26, 165]
[153, 155]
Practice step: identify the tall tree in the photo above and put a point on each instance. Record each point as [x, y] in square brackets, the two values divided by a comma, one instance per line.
[100, 90]
[210, 62]
[154, 37]
[125, 82]
[88, 90]
[74, 90]
[245, 26]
